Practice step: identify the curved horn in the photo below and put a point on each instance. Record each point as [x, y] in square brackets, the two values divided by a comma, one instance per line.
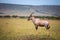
[31, 14]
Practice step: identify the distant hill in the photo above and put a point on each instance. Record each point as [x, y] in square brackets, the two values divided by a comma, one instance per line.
[25, 10]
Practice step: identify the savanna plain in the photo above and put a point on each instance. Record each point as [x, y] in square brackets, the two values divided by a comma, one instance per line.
[21, 29]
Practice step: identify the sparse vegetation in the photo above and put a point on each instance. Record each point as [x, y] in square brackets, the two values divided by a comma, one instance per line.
[14, 16]
[41, 17]
[6, 16]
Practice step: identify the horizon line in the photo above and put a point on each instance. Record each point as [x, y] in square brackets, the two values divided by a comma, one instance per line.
[27, 4]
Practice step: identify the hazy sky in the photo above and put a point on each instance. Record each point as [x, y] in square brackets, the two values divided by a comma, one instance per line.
[32, 2]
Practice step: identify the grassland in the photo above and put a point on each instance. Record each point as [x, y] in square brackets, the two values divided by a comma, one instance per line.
[21, 29]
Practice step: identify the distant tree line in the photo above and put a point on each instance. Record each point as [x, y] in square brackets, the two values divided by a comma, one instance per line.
[13, 16]
[42, 17]
[48, 17]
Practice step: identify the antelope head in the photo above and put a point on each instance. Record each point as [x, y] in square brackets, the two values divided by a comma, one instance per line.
[29, 18]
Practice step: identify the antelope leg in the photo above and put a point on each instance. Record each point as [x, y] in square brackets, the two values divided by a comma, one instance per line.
[36, 27]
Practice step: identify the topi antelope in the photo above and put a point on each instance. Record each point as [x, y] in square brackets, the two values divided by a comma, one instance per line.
[38, 22]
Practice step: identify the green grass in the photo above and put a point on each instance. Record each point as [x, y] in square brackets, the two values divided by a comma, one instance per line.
[21, 29]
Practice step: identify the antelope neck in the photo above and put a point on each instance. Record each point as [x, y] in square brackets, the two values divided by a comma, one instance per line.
[33, 19]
